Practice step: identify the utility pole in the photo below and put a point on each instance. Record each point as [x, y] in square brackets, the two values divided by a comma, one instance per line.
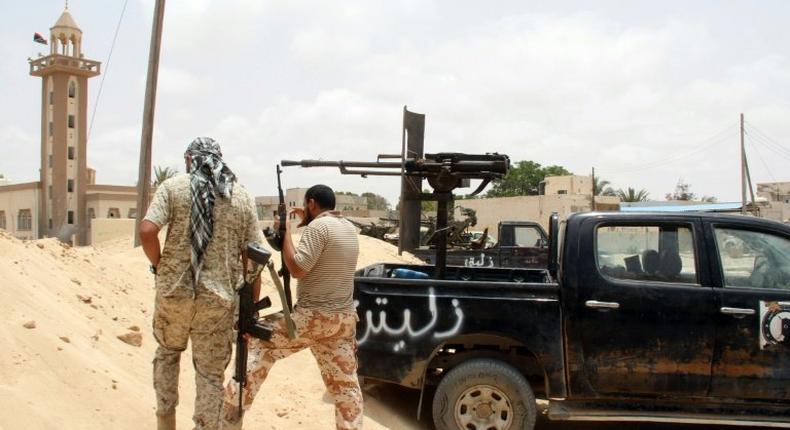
[743, 172]
[144, 173]
[593, 189]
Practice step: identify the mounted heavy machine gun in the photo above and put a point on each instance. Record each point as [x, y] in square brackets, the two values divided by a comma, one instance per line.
[445, 171]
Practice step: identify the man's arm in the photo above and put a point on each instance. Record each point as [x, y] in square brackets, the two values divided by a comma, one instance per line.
[289, 254]
[158, 215]
[149, 239]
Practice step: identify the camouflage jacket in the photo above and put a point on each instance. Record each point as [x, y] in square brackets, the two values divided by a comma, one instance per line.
[235, 225]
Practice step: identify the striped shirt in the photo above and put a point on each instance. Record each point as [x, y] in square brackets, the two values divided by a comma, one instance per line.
[327, 252]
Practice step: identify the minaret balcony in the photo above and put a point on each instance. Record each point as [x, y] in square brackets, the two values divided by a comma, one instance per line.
[53, 63]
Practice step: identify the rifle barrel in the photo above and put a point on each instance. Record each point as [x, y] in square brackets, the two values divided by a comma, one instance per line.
[341, 163]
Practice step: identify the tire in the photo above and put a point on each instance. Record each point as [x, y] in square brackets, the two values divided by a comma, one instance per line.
[484, 394]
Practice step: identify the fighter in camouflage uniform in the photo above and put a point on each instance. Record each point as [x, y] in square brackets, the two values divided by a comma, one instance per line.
[325, 318]
[210, 221]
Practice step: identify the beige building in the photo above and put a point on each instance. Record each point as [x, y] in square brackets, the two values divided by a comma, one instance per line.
[355, 206]
[563, 194]
[66, 198]
[776, 198]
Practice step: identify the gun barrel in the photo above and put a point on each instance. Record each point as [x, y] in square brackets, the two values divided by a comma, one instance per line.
[341, 164]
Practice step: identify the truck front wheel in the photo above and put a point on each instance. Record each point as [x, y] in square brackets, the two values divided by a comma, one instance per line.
[484, 394]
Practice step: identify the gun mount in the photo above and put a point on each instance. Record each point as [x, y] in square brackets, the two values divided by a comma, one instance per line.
[445, 171]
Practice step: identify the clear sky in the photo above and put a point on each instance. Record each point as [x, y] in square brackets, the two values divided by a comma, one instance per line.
[646, 92]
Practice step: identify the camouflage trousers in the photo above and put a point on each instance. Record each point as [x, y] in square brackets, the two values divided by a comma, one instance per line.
[207, 320]
[331, 338]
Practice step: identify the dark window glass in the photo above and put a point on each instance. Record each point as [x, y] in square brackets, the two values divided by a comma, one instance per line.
[71, 152]
[647, 253]
[72, 90]
[752, 259]
[71, 217]
[71, 121]
[51, 128]
[70, 185]
[2, 220]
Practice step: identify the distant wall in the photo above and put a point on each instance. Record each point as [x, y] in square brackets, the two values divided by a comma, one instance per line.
[104, 229]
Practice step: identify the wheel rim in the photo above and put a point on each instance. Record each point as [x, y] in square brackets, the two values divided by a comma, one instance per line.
[483, 407]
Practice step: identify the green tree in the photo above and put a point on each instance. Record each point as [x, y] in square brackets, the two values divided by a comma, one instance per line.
[523, 179]
[682, 192]
[376, 202]
[428, 205]
[631, 195]
[602, 187]
[162, 174]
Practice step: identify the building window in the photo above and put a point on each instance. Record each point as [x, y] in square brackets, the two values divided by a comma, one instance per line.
[71, 217]
[72, 90]
[91, 216]
[24, 220]
[562, 191]
[49, 191]
[2, 220]
[132, 212]
[114, 213]
[71, 152]
[71, 121]
[50, 224]
[70, 185]
[50, 161]
[51, 97]
[51, 128]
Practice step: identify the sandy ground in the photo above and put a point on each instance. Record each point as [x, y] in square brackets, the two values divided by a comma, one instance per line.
[72, 372]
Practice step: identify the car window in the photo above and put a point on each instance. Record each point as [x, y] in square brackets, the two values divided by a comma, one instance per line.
[753, 259]
[528, 237]
[647, 253]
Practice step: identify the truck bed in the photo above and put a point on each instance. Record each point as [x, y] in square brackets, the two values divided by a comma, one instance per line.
[407, 326]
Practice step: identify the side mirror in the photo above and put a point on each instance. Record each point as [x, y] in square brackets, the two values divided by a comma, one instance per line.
[258, 254]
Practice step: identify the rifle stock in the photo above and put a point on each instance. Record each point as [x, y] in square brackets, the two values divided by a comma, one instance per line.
[247, 322]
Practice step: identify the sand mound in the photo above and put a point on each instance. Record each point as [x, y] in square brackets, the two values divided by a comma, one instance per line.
[64, 365]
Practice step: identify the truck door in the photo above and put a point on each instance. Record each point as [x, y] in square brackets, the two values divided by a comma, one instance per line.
[522, 246]
[752, 358]
[642, 317]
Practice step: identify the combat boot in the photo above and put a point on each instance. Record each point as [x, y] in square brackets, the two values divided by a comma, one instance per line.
[166, 422]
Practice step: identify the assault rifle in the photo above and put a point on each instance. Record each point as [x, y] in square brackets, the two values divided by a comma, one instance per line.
[248, 311]
[445, 171]
[275, 239]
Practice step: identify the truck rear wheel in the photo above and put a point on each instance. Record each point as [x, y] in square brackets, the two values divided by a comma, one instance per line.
[484, 394]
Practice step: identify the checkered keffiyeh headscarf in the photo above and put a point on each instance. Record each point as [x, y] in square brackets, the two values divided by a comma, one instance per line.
[209, 177]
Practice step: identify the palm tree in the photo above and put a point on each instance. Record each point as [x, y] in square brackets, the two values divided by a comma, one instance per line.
[602, 188]
[162, 174]
[631, 195]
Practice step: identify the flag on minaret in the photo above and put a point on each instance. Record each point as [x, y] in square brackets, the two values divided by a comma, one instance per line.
[38, 38]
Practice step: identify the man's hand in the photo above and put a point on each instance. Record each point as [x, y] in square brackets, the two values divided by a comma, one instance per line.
[299, 212]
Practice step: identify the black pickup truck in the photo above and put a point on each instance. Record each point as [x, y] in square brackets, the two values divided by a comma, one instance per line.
[519, 244]
[638, 317]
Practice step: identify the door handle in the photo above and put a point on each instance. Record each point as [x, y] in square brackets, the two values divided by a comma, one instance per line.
[601, 305]
[737, 311]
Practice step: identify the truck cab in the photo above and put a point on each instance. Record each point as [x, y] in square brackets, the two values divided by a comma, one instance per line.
[636, 317]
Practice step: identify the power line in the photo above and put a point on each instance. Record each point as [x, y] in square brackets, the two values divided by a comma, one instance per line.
[751, 142]
[106, 70]
[765, 137]
[717, 138]
[770, 145]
